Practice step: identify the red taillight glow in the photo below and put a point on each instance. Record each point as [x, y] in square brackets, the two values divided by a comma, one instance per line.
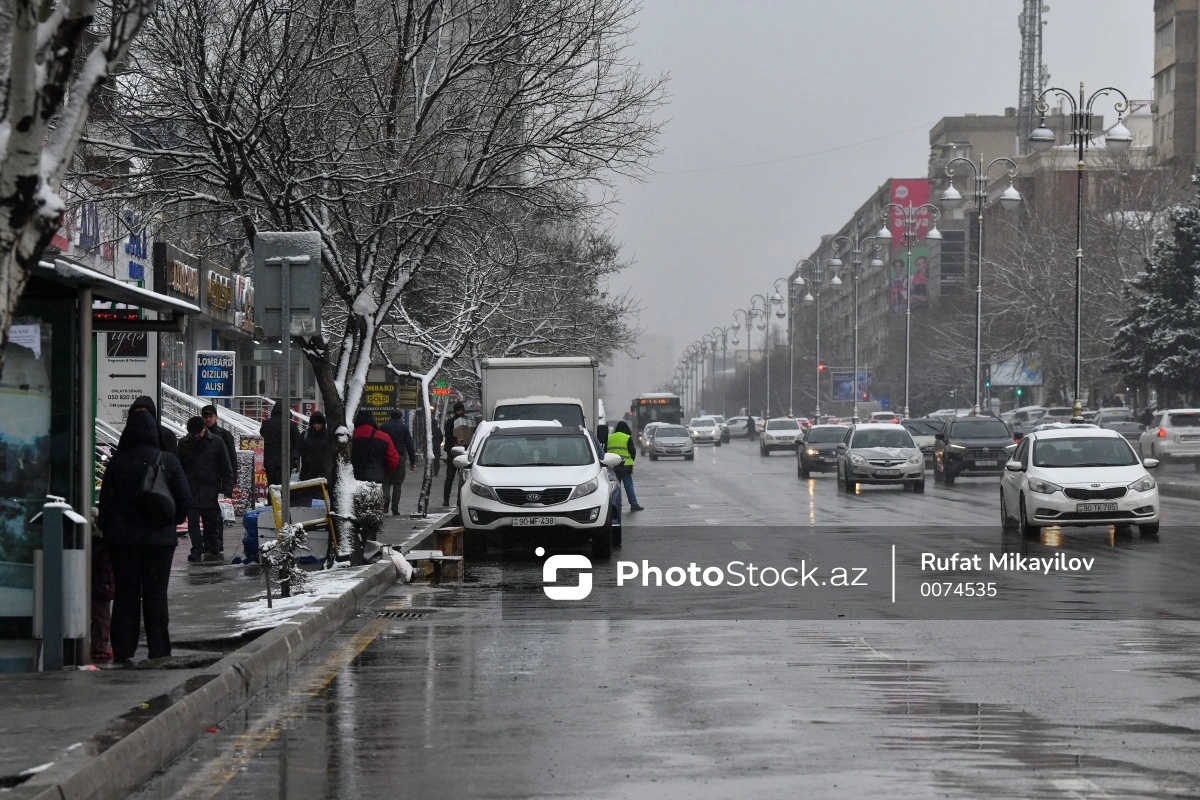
[1162, 433]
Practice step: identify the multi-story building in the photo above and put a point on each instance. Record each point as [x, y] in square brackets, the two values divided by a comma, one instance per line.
[1176, 67]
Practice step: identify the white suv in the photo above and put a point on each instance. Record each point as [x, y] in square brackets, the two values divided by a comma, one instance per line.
[1173, 436]
[705, 429]
[779, 434]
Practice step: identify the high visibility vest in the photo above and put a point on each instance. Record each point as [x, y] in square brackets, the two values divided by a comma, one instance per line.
[619, 443]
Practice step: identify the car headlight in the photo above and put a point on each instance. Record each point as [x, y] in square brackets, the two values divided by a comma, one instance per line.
[1043, 487]
[1143, 484]
[584, 489]
[811, 452]
[483, 491]
[855, 458]
[917, 459]
[958, 447]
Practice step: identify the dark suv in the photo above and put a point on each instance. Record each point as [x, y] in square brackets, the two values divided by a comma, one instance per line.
[971, 446]
[817, 450]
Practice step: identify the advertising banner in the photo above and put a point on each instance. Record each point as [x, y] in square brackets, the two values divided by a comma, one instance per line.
[843, 383]
[914, 194]
[214, 373]
[1020, 371]
[255, 445]
[380, 400]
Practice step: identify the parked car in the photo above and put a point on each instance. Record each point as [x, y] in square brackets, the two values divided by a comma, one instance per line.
[885, 416]
[1078, 476]
[817, 451]
[970, 445]
[705, 429]
[724, 426]
[643, 439]
[780, 433]
[924, 431]
[1173, 436]
[538, 479]
[737, 427]
[671, 441]
[880, 453]
[1120, 420]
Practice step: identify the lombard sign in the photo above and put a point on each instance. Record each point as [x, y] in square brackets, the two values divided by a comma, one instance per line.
[214, 373]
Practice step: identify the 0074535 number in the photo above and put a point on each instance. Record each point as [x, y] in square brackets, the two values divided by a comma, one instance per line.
[953, 589]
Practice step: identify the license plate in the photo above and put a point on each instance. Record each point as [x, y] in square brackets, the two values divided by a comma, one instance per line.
[1189, 438]
[887, 473]
[532, 522]
[986, 463]
[1084, 508]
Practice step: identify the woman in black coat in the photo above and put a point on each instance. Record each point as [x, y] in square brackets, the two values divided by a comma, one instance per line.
[141, 550]
[314, 449]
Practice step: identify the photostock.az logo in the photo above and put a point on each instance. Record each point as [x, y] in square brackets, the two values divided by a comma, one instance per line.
[550, 576]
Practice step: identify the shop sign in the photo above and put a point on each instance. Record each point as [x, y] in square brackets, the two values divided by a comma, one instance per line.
[243, 303]
[183, 279]
[214, 373]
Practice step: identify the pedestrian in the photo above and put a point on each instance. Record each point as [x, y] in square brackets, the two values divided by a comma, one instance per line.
[272, 436]
[372, 453]
[209, 415]
[141, 548]
[436, 435]
[205, 462]
[103, 590]
[449, 442]
[619, 443]
[402, 440]
[166, 439]
[314, 449]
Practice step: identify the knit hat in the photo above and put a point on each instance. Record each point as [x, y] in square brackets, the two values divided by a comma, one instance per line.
[195, 425]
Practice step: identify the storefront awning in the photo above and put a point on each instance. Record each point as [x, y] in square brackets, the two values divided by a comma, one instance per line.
[106, 287]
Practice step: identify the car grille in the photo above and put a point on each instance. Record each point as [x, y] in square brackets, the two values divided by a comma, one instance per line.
[1111, 493]
[985, 453]
[541, 497]
[891, 462]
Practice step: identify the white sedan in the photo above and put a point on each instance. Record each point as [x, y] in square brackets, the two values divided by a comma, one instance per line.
[705, 429]
[1078, 476]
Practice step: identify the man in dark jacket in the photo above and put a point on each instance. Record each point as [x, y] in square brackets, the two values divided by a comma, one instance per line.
[314, 449]
[449, 442]
[402, 440]
[205, 462]
[140, 548]
[209, 415]
[272, 435]
[166, 439]
[372, 453]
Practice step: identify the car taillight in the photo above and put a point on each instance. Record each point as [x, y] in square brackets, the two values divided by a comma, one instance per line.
[1162, 433]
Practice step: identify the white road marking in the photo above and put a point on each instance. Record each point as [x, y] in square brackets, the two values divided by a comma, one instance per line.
[693, 505]
[1076, 786]
[713, 521]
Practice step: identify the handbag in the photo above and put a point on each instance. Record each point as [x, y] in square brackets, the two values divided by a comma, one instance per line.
[153, 497]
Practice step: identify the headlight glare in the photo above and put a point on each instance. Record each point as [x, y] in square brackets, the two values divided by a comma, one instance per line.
[958, 447]
[1144, 484]
[810, 452]
[486, 492]
[917, 459]
[1043, 487]
[584, 489]
[855, 458]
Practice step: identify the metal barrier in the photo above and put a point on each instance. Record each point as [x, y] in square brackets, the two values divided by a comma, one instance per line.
[60, 581]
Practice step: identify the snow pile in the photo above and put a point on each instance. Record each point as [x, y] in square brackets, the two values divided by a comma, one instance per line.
[405, 568]
[323, 585]
[344, 502]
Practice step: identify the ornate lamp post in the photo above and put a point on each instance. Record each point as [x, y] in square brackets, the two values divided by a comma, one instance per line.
[721, 335]
[816, 280]
[1118, 138]
[747, 315]
[1010, 198]
[857, 247]
[777, 299]
[909, 224]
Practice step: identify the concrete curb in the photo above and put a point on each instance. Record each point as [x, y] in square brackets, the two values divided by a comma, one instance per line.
[235, 680]
[1187, 491]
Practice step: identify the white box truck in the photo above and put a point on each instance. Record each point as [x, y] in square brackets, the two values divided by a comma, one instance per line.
[560, 388]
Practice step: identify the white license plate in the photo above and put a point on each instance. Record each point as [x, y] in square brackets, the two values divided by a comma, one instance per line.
[986, 463]
[887, 473]
[1189, 438]
[532, 522]
[1084, 508]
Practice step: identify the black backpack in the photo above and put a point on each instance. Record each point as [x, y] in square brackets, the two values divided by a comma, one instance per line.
[153, 498]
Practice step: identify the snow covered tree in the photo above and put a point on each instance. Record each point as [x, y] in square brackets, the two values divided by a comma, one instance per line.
[54, 56]
[1158, 342]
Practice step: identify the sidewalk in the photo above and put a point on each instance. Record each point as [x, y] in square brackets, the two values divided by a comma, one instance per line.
[101, 732]
[1178, 481]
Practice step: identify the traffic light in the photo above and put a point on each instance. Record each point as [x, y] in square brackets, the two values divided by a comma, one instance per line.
[1019, 391]
[988, 384]
[820, 367]
[865, 396]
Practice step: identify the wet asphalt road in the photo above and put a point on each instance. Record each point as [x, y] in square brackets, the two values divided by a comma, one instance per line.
[444, 697]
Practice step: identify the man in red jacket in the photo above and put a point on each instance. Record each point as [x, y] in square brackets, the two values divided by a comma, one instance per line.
[372, 453]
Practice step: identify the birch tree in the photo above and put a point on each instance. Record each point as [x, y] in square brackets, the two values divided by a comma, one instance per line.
[54, 57]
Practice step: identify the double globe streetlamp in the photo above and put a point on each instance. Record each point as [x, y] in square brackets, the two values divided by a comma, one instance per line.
[1009, 199]
[857, 248]
[1118, 139]
[816, 280]
[747, 316]
[721, 335]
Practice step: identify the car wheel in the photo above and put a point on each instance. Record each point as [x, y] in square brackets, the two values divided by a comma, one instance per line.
[690, 457]
[474, 544]
[850, 485]
[653, 457]
[602, 540]
[804, 472]
[762, 451]
[1006, 520]
[919, 486]
[718, 442]
[617, 530]
[1028, 530]
[1149, 529]
[948, 478]
[1123, 530]
[937, 472]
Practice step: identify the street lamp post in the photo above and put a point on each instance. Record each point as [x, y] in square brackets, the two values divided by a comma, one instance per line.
[764, 317]
[1118, 138]
[816, 280]
[910, 222]
[1009, 199]
[698, 369]
[710, 349]
[857, 246]
[748, 315]
[777, 300]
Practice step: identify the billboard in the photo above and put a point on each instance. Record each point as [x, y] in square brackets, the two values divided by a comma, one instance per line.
[914, 194]
[1019, 371]
[843, 383]
[214, 373]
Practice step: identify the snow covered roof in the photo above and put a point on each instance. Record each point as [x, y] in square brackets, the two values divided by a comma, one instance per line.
[109, 288]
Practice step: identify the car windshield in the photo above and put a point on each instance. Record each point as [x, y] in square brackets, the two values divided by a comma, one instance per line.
[1083, 451]
[719, 419]
[567, 414]
[670, 432]
[825, 435]
[895, 437]
[921, 428]
[702, 423]
[1058, 412]
[1116, 416]
[1184, 421]
[783, 425]
[980, 429]
[536, 450]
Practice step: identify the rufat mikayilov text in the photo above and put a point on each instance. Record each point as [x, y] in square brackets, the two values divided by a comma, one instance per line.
[739, 573]
[1005, 562]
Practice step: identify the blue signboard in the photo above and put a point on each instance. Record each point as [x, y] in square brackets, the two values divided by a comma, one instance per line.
[214, 373]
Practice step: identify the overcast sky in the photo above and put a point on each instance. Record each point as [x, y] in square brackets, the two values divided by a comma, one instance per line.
[841, 94]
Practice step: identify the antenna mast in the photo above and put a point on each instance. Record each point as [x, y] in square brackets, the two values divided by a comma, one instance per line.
[1032, 72]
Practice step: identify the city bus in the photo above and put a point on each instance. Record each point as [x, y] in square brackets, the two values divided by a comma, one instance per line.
[654, 407]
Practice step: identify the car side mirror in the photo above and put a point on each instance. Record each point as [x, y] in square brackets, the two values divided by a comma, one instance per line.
[461, 462]
[1150, 463]
[1014, 466]
[941, 437]
[841, 446]
[1010, 449]
[612, 460]
[458, 450]
[1141, 427]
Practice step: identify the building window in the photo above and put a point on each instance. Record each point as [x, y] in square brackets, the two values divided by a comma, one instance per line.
[1164, 83]
[953, 262]
[1164, 37]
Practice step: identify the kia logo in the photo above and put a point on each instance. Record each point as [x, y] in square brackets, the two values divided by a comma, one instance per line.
[533, 498]
[1095, 486]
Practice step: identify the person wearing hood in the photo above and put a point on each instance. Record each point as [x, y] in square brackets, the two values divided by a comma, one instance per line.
[372, 453]
[140, 547]
[272, 436]
[205, 462]
[166, 440]
[314, 449]
[402, 440]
